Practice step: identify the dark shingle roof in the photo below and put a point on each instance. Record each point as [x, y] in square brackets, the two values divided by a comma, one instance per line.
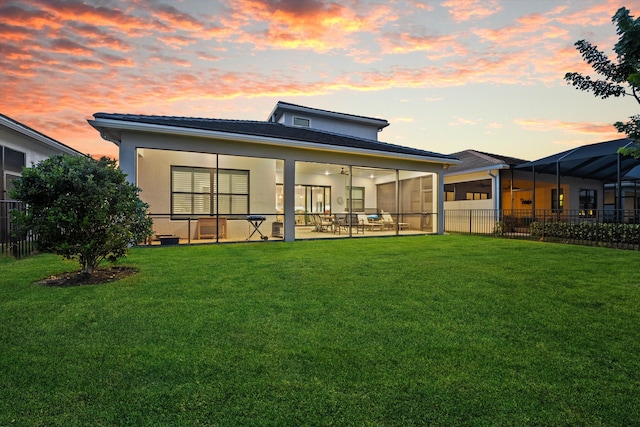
[473, 159]
[271, 130]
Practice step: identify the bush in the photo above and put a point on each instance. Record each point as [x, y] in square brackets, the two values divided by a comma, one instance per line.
[81, 208]
[618, 233]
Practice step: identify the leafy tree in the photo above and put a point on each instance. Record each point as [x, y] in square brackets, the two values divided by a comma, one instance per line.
[621, 78]
[81, 208]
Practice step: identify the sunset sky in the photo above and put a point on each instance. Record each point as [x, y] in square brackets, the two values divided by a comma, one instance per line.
[448, 74]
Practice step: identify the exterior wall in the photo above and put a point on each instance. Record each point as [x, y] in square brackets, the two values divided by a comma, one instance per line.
[154, 177]
[35, 151]
[333, 125]
[141, 170]
[493, 203]
[544, 184]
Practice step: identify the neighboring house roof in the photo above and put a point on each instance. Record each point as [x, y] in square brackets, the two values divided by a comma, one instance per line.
[286, 106]
[594, 161]
[111, 126]
[473, 160]
[34, 135]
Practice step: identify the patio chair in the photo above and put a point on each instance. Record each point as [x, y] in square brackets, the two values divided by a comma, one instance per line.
[340, 223]
[371, 225]
[320, 223]
[387, 220]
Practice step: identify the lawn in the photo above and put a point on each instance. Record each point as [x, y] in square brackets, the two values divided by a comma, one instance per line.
[422, 330]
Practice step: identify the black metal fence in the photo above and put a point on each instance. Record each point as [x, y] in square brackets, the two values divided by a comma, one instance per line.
[610, 228]
[11, 242]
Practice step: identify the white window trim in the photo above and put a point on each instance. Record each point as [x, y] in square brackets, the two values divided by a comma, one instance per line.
[301, 118]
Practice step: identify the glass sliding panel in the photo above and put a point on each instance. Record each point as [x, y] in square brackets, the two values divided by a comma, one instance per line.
[320, 199]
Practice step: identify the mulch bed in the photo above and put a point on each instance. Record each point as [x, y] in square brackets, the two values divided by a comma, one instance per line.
[99, 276]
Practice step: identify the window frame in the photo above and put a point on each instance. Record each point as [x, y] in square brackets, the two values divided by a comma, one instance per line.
[213, 194]
[296, 118]
[587, 209]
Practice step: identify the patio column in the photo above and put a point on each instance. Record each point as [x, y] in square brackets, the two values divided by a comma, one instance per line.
[128, 162]
[440, 208]
[289, 200]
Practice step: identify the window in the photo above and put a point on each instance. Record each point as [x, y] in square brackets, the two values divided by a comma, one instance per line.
[557, 203]
[313, 198]
[192, 194]
[233, 192]
[477, 196]
[10, 178]
[301, 121]
[13, 160]
[356, 201]
[470, 190]
[588, 201]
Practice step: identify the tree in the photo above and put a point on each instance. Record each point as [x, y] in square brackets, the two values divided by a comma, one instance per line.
[621, 78]
[81, 208]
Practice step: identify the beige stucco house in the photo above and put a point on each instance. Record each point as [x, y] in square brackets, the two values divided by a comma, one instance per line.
[302, 173]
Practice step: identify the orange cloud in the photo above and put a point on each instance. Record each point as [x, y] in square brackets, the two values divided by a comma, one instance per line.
[438, 46]
[308, 24]
[80, 11]
[588, 128]
[459, 121]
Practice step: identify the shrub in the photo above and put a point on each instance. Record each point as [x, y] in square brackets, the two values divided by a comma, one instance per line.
[81, 208]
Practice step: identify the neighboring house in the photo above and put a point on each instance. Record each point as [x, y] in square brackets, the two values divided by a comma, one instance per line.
[21, 146]
[577, 182]
[586, 178]
[300, 164]
[480, 181]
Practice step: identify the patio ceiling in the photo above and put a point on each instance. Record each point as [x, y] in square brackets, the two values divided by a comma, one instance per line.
[594, 161]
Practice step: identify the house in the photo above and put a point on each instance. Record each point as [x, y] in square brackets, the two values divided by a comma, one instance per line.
[587, 178]
[481, 180]
[21, 146]
[303, 172]
[575, 183]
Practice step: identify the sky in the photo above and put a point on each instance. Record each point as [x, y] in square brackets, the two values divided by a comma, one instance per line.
[449, 75]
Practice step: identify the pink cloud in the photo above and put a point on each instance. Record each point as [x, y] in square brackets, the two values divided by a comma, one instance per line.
[587, 128]
[467, 10]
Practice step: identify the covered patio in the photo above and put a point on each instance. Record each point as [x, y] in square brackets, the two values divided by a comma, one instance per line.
[209, 180]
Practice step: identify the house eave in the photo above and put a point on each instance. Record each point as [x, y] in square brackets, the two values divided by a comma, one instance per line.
[501, 166]
[111, 130]
[32, 134]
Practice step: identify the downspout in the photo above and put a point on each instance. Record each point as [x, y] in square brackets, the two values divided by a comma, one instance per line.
[533, 196]
[496, 193]
[620, 214]
[558, 188]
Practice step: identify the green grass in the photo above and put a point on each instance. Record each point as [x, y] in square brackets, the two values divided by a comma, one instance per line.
[426, 330]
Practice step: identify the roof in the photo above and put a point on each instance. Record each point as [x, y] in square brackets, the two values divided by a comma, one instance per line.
[33, 134]
[478, 160]
[286, 106]
[594, 161]
[112, 131]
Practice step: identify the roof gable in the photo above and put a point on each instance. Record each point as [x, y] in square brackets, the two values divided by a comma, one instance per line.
[473, 160]
[34, 135]
[282, 107]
